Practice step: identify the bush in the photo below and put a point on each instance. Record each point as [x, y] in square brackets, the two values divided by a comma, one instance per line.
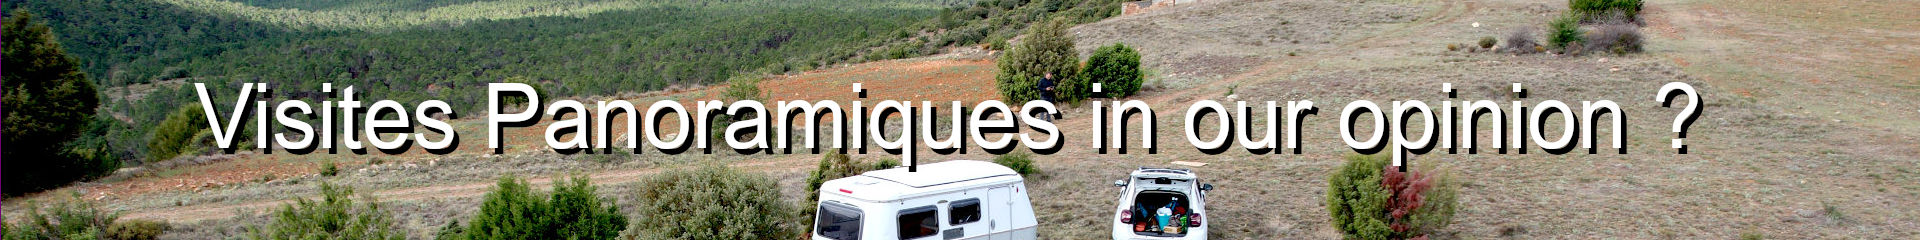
[573, 211]
[1595, 9]
[333, 217]
[328, 168]
[1488, 42]
[1368, 199]
[175, 135]
[1565, 32]
[1020, 162]
[713, 202]
[48, 102]
[835, 165]
[1117, 68]
[739, 87]
[1618, 38]
[1356, 201]
[1046, 48]
[1521, 41]
[138, 229]
[77, 220]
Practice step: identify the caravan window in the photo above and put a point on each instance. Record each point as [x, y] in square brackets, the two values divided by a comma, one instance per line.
[838, 221]
[919, 222]
[963, 211]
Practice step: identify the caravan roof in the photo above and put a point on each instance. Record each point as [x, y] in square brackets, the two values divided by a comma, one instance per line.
[897, 183]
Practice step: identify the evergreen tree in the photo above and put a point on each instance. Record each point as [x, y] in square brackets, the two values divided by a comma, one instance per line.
[1045, 49]
[175, 135]
[1117, 68]
[48, 102]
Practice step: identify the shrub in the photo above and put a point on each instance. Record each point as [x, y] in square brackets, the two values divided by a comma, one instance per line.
[1595, 9]
[328, 168]
[1046, 48]
[1566, 32]
[333, 217]
[1521, 41]
[1618, 38]
[713, 202]
[63, 220]
[1356, 201]
[739, 87]
[573, 211]
[1117, 68]
[175, 135]
[1020, 162]
[1368, 199]
[137, 229]
[835, 165]
[1488, 42]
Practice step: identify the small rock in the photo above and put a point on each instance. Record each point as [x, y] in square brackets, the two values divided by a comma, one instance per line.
[1476, 24]
[1614, 69]
[1603, 60]
[1807, 213]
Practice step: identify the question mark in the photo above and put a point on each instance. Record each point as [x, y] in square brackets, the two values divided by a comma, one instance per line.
[1685, 120]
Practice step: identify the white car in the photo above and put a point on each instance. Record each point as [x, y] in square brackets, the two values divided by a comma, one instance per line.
[1161, 203]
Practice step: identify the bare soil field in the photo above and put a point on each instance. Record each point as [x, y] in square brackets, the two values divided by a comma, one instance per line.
[1807, 131]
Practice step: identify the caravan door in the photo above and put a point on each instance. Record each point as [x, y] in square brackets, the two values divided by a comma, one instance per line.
[1000, 210]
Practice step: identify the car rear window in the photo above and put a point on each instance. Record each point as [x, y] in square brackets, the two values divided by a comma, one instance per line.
[919, 222]
[838, 221]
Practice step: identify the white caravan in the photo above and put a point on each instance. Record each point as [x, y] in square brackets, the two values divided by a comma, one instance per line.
[962, 199]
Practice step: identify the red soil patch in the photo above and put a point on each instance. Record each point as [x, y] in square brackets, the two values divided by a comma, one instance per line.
[904, 80]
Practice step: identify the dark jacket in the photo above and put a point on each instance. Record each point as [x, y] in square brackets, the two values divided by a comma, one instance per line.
[1045, 84]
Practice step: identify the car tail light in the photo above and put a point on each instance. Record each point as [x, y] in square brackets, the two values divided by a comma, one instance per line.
[1194, 221]
[1126, 216]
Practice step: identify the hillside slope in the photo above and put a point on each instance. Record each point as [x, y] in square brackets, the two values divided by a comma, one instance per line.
[1799, 140]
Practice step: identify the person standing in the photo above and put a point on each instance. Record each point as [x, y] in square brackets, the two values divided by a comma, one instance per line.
[1046, 93]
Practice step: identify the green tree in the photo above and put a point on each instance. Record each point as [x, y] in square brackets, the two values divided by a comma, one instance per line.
[1117, 68]
[1046, 49]
[48, 102]
[175, 135]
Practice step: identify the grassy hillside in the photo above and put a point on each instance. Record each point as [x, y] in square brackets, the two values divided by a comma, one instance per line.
[448, 50]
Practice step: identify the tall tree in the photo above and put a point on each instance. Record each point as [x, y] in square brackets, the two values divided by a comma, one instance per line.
[1044, 49]
[48, 101]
